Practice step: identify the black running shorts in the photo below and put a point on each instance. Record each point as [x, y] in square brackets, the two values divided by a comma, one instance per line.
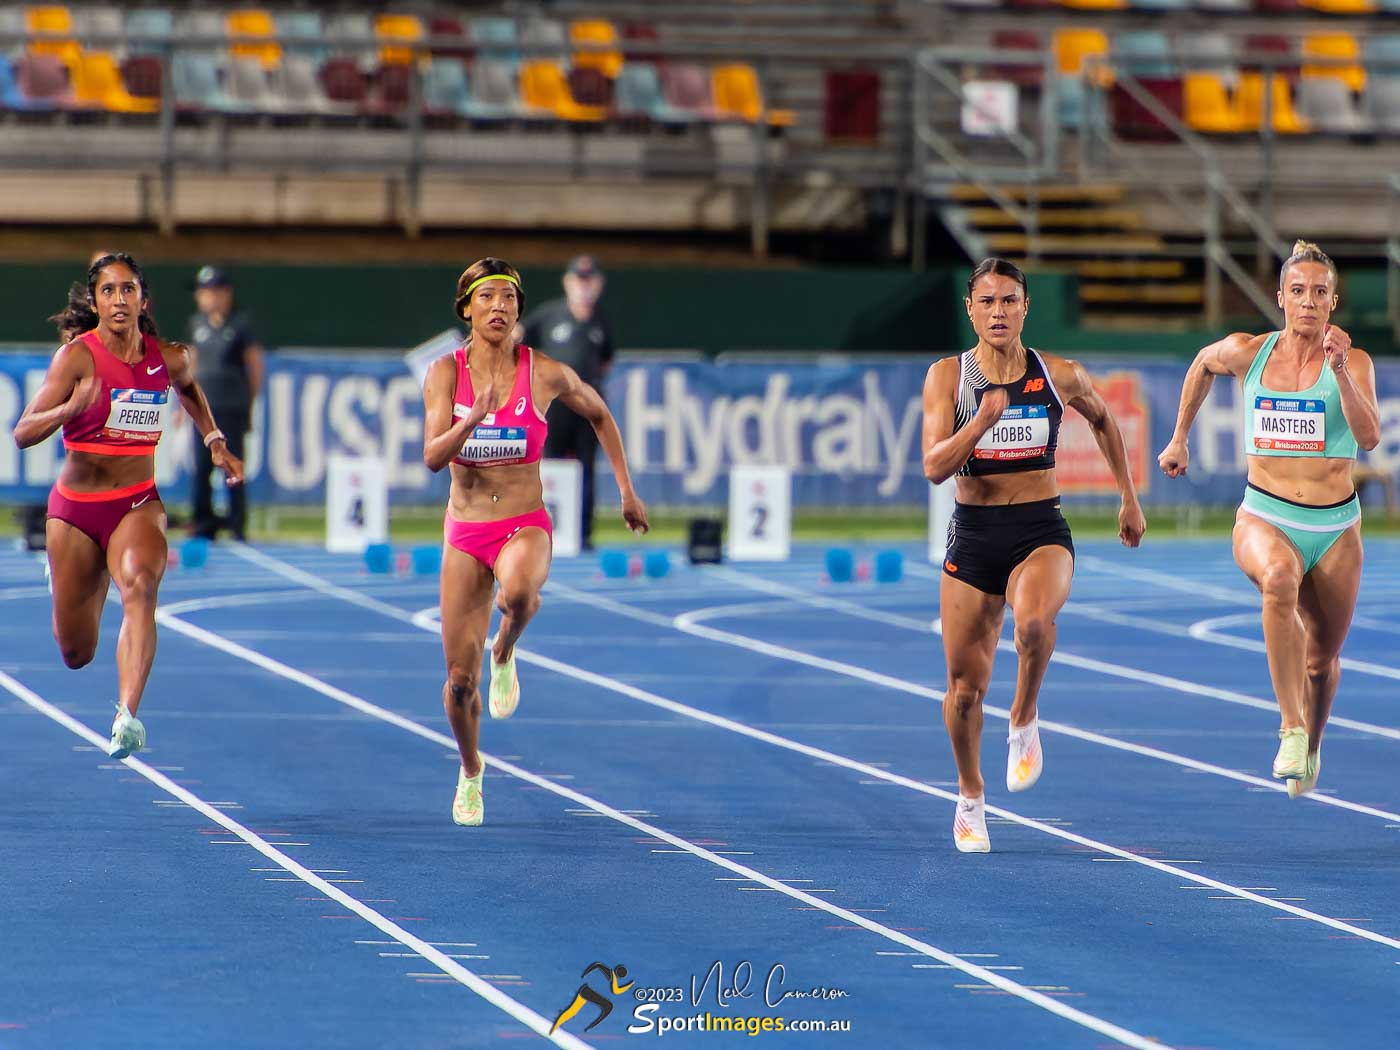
[986, 543]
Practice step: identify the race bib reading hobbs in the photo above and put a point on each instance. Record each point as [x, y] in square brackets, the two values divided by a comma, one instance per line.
[1022, 432]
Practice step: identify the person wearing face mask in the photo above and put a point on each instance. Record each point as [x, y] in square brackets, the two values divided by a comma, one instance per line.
[991, 420]
[575, 331]
[485, 411]
[1309, 402]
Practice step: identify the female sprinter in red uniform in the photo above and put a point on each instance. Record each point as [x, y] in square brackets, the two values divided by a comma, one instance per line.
[485, 415]
[992, 417]
[108, 388]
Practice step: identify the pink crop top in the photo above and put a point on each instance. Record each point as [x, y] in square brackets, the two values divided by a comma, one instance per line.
[129, 417]
[514, 434]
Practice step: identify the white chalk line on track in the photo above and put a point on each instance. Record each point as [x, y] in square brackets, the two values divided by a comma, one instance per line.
[691, 623]
[1103, 667]
[423, 620]
[276, 667]
[522, 1013]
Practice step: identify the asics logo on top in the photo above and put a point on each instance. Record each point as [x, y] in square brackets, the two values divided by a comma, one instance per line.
[153, 371]
[1033, 386]
[949, 565]
[520, 407]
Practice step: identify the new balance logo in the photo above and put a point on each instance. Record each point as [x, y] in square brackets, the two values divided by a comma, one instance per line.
[1033, 386]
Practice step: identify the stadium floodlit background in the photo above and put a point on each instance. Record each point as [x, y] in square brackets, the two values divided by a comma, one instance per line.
[786, 198]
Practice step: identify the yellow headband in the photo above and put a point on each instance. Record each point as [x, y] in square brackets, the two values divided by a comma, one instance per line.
[490, 277]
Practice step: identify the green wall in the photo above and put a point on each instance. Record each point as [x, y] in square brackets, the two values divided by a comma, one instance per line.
[398, 306]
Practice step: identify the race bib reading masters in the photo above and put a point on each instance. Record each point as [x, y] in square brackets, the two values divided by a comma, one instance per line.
[137, 415]
[1022, 432]
[1289, 425]
[493, 445]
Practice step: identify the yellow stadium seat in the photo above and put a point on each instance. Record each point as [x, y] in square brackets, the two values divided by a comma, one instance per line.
[1207, 106]
[544, 88]
[397, 28]
[250, 29]
[736, 95]
[1096, 5]
[1341, 7]
[603, 34]
[53, 22]
[1339, 46]
[1074, 46]
[97, 82]
[1249, 102]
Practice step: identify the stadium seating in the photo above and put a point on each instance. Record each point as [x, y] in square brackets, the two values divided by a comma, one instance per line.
[250, 29]
[737, 96]
[544, 91]
[599, 33]
[98, 85]
[50, 28]
[397, 27]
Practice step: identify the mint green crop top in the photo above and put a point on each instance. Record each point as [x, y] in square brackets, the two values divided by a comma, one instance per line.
[1301, 423]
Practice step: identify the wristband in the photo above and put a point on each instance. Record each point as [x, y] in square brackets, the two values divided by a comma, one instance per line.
[214, 435]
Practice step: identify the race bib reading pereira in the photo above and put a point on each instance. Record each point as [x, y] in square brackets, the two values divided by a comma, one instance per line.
[1289, 425]
[1022, 432]
[137, 415]
[486, 446]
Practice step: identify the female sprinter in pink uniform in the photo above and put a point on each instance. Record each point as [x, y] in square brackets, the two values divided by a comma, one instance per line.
[108, 388]
[485, 415]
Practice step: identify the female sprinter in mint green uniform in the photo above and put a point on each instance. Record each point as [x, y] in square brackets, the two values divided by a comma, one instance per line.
[1309, 401]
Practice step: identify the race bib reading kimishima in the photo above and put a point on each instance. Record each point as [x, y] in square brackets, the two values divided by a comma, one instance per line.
[1022, 432]
[486, 446]
[1289, 425]
[137, 415]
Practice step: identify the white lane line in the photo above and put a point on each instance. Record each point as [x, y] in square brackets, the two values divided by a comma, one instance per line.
[614, 685]
[522, 1013]
[1104, 667]
[1089, 1021]
[1205, 630]
[690, 623]
[1208, 630]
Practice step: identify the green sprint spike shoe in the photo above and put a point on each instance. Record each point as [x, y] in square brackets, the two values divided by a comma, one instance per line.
[1291, 762]
[128, 734]
[1299, 788]
[467, 808]
[505, 688]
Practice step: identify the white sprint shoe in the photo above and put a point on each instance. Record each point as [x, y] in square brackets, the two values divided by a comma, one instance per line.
[128, 734]
[505, 688]
[970, 826]
[1024, 759]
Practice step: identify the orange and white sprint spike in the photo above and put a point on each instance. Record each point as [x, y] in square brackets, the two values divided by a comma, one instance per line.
[1024, 759]
[970, 826]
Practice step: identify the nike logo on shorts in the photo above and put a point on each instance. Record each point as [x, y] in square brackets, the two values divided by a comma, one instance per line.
[140, 501]
[153, 371]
